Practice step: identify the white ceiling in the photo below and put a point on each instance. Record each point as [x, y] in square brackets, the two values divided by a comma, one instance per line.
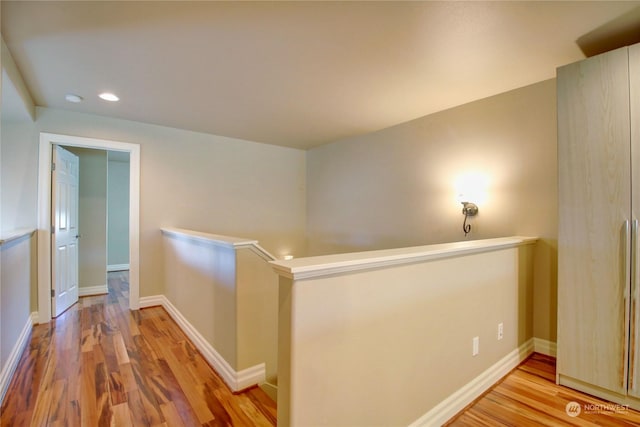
[296, 74]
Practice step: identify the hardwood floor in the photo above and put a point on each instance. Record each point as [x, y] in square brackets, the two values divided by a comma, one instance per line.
[99, 364]
[528, 396]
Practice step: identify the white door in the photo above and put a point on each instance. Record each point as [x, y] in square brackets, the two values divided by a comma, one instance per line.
[64, 238]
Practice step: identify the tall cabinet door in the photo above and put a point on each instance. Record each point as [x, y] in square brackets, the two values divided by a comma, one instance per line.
[594, 171]
[634, 98]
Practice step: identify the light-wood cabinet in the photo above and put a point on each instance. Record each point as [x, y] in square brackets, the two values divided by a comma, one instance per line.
[599, 207]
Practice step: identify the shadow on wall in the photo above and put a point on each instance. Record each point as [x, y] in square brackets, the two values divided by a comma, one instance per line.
[546, 289]
[620, 32]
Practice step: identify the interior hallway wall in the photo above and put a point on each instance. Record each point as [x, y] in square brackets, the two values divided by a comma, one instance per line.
[19, 160]
[397, 187]
[189, 180]
[117, 212]
[18, 269]
[16, 203]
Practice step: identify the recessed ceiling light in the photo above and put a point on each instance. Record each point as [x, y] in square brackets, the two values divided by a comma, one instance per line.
[73, 98]
[108, 96]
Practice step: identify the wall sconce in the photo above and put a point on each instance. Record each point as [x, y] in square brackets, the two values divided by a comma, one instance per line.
[471, 186]
[468, 209]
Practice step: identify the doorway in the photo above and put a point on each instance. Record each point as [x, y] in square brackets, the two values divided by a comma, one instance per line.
[117, 211]
[103, 219]
[47, 140]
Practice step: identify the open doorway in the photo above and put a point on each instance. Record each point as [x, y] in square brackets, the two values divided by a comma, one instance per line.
[117, 211]
[47, 141]
[103, 216]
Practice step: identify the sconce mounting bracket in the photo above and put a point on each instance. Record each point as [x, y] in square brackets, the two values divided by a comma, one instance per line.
[469, 209]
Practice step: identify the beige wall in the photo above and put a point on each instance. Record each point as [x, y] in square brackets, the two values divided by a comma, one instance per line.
[230, 296]
[386, 189]
[18, 257]
[17, 260]
[190, 180]
[92, 257]
[18, 266]
[396, 187]
[15, 89]
[19, 185]
[117, 212]
[384, 346]
[257, 302]
[200, 281]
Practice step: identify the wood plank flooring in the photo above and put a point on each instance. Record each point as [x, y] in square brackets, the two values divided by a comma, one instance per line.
[99, 364]
[528, 396]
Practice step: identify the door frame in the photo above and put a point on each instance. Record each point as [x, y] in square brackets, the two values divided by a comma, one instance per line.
[47, 141]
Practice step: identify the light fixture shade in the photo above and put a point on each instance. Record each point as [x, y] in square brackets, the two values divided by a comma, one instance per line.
[472, 187]
[108, 96]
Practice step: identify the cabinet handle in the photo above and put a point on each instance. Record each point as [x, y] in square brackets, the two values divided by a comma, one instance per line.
[634, 292]
[627, 256]
[625, 276]
[632, 345]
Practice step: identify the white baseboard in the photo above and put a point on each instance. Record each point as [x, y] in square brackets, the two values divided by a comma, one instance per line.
[14, 357]
[84, 291]
[548, 348]
[271, 390]
[152, 301]
[117, 267]
[456, 402]
[236, 380]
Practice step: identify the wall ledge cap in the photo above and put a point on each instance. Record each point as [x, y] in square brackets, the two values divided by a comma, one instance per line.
[16, 235]
[218, 240]
[318, 266]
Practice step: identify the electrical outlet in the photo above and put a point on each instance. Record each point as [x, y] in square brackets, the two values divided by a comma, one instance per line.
[500, 331]
[476, 346]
